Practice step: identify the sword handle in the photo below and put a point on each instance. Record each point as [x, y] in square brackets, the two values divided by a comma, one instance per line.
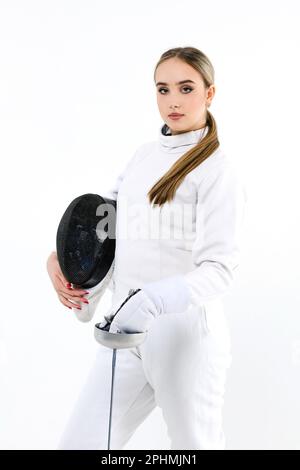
[109, 320]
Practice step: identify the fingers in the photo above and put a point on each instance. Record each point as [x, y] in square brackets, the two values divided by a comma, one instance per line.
[71, 291]
[71, 302]
[70, 296]
[67, 303]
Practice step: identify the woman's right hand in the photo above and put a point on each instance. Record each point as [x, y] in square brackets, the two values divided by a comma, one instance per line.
[68, 295]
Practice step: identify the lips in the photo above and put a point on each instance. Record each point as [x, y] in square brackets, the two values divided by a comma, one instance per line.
[175, 115]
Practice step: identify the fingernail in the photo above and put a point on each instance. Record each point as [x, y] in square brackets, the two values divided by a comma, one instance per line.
[79, 308]
[69, 307]
[85, 301]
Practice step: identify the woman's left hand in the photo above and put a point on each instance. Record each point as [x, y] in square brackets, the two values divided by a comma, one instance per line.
[135, 316]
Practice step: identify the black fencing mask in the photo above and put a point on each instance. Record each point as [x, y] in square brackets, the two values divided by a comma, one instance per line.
[86, 241]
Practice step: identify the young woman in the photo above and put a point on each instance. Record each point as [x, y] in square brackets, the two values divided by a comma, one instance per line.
[178, 237]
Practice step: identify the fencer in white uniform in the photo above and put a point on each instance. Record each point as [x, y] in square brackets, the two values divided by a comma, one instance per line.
[182, 365]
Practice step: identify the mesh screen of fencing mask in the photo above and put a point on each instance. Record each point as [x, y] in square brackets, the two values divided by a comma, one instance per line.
[85, 240]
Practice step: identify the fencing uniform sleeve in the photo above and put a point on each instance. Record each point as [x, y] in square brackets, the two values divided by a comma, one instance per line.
[219, 223]
[216, 255]
[95, 293]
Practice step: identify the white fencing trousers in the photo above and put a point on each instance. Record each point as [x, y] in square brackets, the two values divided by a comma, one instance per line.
[181, 367]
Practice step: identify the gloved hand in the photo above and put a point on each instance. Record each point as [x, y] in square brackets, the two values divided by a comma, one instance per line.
[169, 295]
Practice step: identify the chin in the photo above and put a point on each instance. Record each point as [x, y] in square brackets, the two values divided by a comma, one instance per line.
[172, 123]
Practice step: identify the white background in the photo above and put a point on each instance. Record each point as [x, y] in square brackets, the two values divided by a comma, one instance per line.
[77, 97]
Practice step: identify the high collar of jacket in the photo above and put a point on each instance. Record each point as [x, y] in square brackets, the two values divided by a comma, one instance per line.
[176, 142]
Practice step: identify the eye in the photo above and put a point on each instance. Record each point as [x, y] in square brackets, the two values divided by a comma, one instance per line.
[185, 87]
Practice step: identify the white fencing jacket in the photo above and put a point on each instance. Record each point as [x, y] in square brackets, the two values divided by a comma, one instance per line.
[198, 234]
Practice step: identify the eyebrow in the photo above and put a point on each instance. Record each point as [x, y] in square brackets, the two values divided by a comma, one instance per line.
[179, 83]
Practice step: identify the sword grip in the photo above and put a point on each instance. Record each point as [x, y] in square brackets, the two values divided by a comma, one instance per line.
[110, 318]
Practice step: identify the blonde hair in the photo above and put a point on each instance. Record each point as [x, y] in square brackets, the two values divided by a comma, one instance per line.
[164, 189]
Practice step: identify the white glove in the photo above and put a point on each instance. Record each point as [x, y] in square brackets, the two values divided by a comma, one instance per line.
[169, 295]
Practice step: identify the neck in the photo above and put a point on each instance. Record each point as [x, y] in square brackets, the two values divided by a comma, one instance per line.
[186, 130]
[179, 142]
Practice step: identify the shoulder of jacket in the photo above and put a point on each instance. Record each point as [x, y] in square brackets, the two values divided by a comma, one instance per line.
[142, 151]
[226, 172]
[214, 164]
[146, 147]
[217, 166]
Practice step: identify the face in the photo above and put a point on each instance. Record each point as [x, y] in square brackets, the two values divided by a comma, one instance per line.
[190, 99]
